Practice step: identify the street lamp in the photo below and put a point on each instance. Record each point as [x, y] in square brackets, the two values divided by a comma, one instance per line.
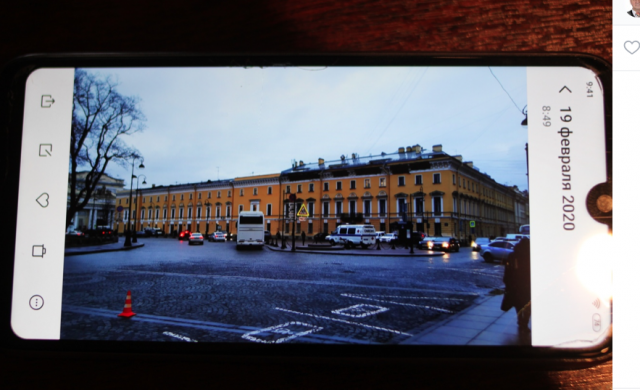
[135, 227]
[127, 240]
[208, 205]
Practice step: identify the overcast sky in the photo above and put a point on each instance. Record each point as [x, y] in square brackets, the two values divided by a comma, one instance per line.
[256, 121]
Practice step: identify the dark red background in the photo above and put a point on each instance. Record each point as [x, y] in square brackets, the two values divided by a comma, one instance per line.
[298, 26]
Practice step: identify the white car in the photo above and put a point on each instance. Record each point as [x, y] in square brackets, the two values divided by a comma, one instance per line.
[196, 238]
[497, 250]
[388, 237]
[480, 242]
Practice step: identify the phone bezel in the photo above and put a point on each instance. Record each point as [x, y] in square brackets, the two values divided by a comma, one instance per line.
[12, 87]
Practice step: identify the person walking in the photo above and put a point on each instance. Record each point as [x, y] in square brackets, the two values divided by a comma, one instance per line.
[517, 282]
[303, 236]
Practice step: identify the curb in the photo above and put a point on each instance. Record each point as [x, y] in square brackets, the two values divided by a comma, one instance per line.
[346, 252]
[76, 253]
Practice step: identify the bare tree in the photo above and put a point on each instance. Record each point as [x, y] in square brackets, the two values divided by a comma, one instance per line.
[101, 117]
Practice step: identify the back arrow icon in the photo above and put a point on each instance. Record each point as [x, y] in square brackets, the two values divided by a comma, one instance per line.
[565, 87]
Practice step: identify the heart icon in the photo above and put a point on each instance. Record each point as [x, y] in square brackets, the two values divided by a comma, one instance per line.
[43, 199]
[632, 46]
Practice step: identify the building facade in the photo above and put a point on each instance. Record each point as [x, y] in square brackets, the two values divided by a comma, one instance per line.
[436, 193]
[100, 209]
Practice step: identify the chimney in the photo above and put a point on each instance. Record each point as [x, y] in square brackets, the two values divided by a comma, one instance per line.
[153, 186]
[401, 150]
[437, 148]
[469, 164]
[409, 149]
[458, 157]
[418, 149]
[320, 161]
[301, 163]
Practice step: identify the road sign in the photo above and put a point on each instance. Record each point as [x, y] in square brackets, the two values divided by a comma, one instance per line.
[120, 208]
[292, 197]
[302, 219]
[303, 211]
[472, 224]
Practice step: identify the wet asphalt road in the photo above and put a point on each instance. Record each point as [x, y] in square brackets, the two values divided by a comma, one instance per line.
[214, 293]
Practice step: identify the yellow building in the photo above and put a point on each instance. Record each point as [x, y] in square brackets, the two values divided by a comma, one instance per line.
[437, 193]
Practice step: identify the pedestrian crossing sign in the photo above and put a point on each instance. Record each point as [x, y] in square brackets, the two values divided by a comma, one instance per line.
[303, 211]
[472, 224]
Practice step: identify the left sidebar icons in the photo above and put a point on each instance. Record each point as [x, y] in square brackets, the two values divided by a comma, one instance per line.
[46, 101]
[46, 150]
[38, 251]
[43, 200]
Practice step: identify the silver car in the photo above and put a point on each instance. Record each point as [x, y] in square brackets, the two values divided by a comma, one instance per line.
[497, 250]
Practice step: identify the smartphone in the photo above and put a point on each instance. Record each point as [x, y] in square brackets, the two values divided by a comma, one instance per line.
[368, 205]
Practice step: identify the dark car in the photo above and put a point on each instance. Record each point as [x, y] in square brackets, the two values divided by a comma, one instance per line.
[417, 237]
[319, 237]
[184, 235]
[267, 236]
[445, 244]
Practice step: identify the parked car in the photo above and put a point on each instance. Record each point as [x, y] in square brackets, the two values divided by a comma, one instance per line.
[380, 234]
[196, 238]
[319, 237]
[216, 236]
[352, 235]
[388, 237]
[446, 244]
[75, 233]
[479, 242]
[332, 238]
[497, 250]
[267, 236]
[184, 235]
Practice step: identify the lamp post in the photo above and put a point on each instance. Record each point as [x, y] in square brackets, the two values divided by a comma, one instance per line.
[127, 240]
[208, 205]
[135, 227]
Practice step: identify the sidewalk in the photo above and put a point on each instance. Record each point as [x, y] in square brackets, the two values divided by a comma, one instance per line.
[484, 323]
[116, 246]
[371, 251]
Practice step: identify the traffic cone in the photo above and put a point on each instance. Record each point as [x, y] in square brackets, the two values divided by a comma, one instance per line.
[127, 312]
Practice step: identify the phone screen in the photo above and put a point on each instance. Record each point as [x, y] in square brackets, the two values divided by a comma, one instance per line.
[408, 205]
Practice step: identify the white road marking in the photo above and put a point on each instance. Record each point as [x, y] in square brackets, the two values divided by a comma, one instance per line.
[281, 329]
[400, 296]
[344, 321]
[179, 336]
[362, 309]
[396, 303]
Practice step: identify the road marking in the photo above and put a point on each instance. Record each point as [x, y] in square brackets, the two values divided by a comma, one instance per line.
[438, 298]
[282, 329]
[466, 270]
[362, 310]
[344, 321]
[300, 281]
[180, 337]
[396, 303]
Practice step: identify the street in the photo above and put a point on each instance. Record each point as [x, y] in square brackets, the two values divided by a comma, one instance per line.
[214, 293]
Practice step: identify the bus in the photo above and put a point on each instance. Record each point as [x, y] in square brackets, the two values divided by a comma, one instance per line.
[250, 229]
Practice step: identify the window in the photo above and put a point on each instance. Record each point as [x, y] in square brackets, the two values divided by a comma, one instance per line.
[338, 208]
[326, 187]
[181, 196]
[166, 198]
[144, 199]
[310, 228]
[198, 212]
[464, 184]
[299, 188]
[142, 213]
[367, 208]
[209, 195]
[400, 180]
[189, 213]
[352, 208]
[173, 198]
[383, 182]
[219, 194]
[382, 207]
[190, 196]
[325, 209]
[352, 185]
[229, 194]
[255, 191]
[218, 211]
[164, 214]
[158, 198]
[310, 209]
[199, 195]
[367, 183]
[208, 212]
[269, 190]
[402, 206]
[288, 190]
[419, 206]
[126, 201]
[181, 213]
[157, 213]
[119, 201]
[418, 179]
[310, 187]
[436, 178]
[173, 213]
[338, 185]
[269, 209]
[454, 179]
[241, 192]
[241, 208]
[437, 206]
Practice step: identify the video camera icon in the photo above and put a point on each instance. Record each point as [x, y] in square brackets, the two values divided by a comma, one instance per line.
[38, 251]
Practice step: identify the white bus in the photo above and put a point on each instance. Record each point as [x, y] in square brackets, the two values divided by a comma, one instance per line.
[250, 229]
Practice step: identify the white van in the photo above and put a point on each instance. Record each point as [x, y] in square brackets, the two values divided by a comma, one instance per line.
[363, 235]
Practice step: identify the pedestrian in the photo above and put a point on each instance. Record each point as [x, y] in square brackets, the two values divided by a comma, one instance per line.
[303, 236]
[517, 282]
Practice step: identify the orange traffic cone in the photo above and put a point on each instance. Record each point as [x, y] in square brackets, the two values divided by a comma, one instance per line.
[127, 312]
